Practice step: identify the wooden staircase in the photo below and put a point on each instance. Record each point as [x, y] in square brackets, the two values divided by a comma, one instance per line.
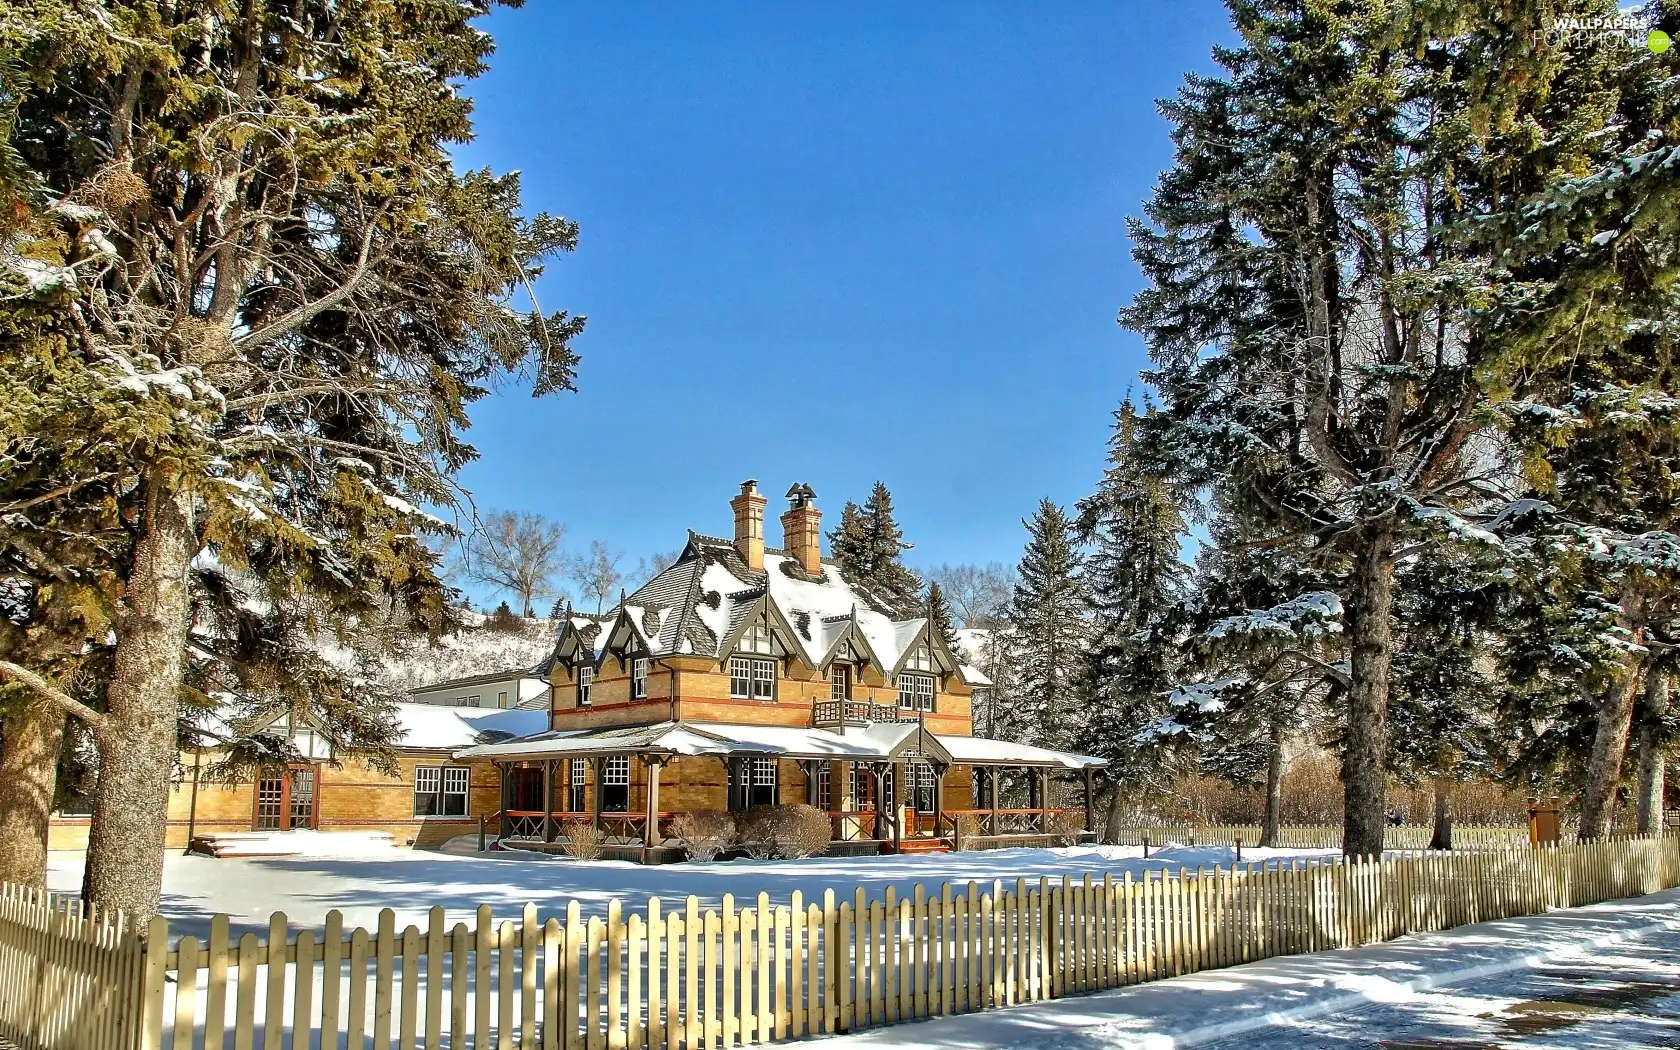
[928, 845]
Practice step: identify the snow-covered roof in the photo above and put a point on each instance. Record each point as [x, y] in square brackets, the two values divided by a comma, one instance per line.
[979, 751]
[874, 743]
[432, 727]
[702, 602]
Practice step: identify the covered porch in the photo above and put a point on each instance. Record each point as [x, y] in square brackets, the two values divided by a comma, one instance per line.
[893, 787]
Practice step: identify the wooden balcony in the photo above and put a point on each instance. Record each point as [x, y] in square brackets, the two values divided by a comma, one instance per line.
[827, 714]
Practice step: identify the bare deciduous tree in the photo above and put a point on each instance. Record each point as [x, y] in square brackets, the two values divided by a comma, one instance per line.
[977, 594]
[596, 573]
[517, 552]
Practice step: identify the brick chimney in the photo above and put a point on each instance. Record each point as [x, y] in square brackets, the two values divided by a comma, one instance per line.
[802, 529]
[749, 524]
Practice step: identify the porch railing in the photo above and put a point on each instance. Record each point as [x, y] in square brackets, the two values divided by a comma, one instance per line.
[958, 824]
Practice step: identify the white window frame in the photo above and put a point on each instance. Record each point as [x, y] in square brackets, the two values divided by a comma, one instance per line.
[840, 682]
[585, 680]
[916, 692]
[441, 784]
[752, 678]
[638, 678]
[615, 771]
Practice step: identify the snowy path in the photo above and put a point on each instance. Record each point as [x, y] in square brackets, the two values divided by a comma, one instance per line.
[410, 881]
[1601, 976]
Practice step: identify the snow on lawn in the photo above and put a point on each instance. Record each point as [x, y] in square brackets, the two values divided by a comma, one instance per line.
[412, 881]
[1592, 978]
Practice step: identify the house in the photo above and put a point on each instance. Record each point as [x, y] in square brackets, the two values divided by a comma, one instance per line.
[430, 799]
[744, 675]
[516, 687]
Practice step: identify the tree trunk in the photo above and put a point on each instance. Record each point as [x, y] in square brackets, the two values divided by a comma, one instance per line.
[1274, 789]
[1111, 823]
[1652, 754]
[137, 742]
[1442, 836]
[1612, 718]
[28, 779]
[1370, 637]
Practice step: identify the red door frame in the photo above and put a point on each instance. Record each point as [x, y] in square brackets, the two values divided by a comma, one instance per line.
[284, 817]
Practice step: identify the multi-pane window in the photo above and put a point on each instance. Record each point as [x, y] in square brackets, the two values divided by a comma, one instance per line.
[578, 801]
[863, 789]
[638, 678]
[761, 782]
[615, 784]
[472, 701]
[585, 679]
[758, 639]
[751, 679]
[440, 791]
[915, 692]
[921, 782]
[825, 792]
[840, 682]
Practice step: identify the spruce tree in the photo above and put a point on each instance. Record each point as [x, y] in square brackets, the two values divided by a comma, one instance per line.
[1049, 632]
[1138, 584]
[939, 613]
[868, 545]
[288, 296]
[1316, 308]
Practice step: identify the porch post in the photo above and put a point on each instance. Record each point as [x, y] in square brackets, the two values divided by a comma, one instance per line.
[600, 767]
[650, 837]
[502, 825]
[810, 769]
[548, 800]
[876, 783]
[938, 796]
[1044, 799]
[1090, 802]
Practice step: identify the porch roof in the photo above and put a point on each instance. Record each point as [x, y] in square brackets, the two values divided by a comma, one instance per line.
[880, 742]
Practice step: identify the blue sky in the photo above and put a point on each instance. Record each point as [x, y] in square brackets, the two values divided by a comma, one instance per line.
[829, 243]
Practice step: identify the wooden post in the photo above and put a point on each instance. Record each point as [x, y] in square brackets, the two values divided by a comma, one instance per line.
[192, 805]
[938, 796]
[548, 801]
[502, 827]
[876, 784]
[651, 835]
[811, 785]
[1090, 802]
[598, 767]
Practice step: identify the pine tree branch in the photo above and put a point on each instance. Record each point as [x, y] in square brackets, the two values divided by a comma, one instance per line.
[303, 314]
[47, 691]
[48, 497]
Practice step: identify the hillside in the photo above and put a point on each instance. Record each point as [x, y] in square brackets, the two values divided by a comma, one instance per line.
[476, 649]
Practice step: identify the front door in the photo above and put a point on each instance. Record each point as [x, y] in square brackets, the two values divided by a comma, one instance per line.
[285, 799]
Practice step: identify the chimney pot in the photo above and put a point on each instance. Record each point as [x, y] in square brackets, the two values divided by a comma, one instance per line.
[749, 524]
[802, 529]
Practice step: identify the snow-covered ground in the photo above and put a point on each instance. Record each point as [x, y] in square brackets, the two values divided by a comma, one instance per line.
[1604, 976]
[410, 881]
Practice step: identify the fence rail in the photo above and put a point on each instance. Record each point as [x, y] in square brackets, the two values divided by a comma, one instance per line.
[1304, 836]
[688, 977]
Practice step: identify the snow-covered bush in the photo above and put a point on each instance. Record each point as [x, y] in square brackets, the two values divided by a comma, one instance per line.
[704, 833]
[583, 839]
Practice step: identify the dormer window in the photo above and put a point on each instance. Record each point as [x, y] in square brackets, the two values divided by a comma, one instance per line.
[585, 679]
[920, 659]
[840, 682]
[758, 639]
[638, 678]
[751, 679]
[915, 692]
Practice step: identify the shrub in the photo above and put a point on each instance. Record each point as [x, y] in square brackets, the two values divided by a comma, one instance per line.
[583, 839]
[804, 832]
[1064, 828]
[704, 833]
[784, 832]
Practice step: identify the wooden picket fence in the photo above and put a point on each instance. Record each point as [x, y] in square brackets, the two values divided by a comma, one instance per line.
[1316, 836]
[689, 977]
